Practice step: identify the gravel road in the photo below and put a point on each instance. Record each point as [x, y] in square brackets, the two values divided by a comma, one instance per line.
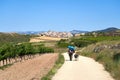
[83, 69]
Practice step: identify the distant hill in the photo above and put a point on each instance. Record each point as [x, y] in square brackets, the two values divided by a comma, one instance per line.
[111, 29]
[55, 33]
[78, 31]
[13, 37]
[39, 32]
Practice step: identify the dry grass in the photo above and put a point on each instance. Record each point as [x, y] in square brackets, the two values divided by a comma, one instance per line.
[106, 54]
[45, 38]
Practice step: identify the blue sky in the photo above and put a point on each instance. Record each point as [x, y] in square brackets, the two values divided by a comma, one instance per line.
[58, 15]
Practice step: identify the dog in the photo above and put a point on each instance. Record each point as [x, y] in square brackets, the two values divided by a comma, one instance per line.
[76, 56]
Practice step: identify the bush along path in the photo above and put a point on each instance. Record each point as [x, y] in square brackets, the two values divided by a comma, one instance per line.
[83, 69]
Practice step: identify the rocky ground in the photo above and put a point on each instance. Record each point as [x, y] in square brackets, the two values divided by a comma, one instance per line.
[32, 69]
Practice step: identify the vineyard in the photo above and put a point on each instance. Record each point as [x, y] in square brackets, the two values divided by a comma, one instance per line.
[11, 53]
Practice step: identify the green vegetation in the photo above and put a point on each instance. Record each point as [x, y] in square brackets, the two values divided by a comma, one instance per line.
[14, 48]
[107, 53]
[63, 43]
[57, 49]
[87, 40]
[23, 51]
[51, 44]
[13, 37]
[104, 49]
[57, 65]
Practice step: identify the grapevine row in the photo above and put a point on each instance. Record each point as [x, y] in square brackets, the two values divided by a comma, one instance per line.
[11, 53]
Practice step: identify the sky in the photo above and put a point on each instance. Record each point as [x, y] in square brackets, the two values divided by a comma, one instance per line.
[58, 15]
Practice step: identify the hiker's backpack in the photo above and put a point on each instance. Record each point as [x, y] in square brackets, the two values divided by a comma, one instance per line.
[71, 51]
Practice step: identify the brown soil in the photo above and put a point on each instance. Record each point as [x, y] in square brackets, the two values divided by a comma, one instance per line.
[32, 69]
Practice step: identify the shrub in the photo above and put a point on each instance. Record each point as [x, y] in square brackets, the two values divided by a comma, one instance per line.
[116, 57]
[45, 50]
[63, 43]
[28, 48]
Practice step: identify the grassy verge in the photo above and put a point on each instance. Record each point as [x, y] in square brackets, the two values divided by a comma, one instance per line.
[57, 65]
[107, 53]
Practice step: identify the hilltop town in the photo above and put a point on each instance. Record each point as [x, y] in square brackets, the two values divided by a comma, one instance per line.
[57, 34]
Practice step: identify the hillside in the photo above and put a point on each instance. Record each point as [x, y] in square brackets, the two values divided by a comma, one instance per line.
[107, 53]
[78, 31]
[110, 29]
[13, 37]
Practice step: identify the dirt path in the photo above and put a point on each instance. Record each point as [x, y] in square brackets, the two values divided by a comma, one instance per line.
[32, 69]
[83, 69]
